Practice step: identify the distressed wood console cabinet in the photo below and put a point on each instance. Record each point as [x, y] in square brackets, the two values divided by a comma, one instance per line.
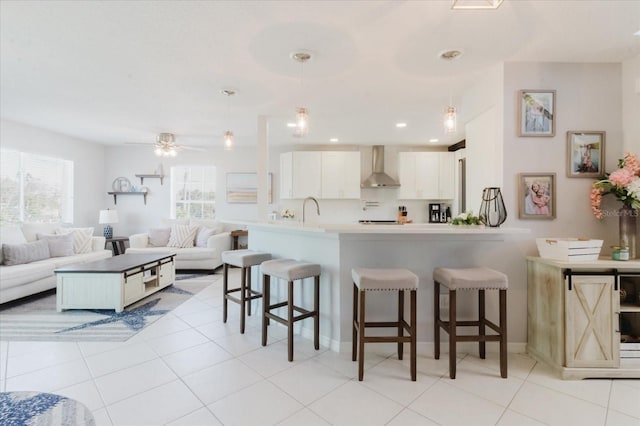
[574, 316]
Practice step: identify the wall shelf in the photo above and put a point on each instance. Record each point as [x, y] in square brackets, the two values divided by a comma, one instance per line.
[115, 195]
[150, 176]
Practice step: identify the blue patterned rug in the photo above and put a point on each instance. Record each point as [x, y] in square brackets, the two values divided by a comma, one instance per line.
[42, 409]
[37, 319]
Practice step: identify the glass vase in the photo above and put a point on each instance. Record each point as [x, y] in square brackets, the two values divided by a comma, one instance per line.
[629, 229]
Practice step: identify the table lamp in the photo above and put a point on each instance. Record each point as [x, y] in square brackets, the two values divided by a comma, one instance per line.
[108, 217]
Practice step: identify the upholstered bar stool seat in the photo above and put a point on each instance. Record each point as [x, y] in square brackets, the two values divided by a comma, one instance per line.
[290, 270]
[479, 279]
[243, 259]
[375, 279]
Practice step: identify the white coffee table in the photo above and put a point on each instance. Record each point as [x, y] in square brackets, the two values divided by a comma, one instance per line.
[113, 283]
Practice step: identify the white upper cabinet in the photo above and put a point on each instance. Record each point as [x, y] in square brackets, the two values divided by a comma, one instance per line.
[341, 174]
[300, 174]
[426, 175]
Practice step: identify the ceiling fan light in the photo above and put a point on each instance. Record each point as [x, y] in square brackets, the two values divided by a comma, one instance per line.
[158, 151]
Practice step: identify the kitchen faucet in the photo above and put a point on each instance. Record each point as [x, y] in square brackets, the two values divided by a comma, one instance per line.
[305, 202]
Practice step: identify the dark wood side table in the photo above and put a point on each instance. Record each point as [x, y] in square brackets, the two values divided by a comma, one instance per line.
[118, 244]
[235, 234]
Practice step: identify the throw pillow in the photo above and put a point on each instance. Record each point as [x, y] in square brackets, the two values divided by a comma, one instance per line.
[59, 245]
[31, 229]
[203, 235]
[208, 223]
[182, 236]
[81, 238]
[159, 237]
[11, 234]
[17, 254]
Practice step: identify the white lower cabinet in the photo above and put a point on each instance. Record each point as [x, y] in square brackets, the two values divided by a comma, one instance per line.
[426, 175]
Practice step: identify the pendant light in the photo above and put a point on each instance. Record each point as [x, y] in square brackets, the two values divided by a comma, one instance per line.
[450, 115]
[450, 119]
[302, 113]
[228, 135]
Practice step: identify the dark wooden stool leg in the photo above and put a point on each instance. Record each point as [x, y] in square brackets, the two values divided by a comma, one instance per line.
[265, 307]
[316, 309]
[243, 283]
[249, 294]
[354, 325]
[503, 333]
[436, 320]
[481, 328]
[452, 334]
[413, 336]
[400, 319]
[361, 336]
[290, 321]
[225, 290]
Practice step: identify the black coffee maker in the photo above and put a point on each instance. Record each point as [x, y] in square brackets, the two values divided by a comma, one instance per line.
[434, 213]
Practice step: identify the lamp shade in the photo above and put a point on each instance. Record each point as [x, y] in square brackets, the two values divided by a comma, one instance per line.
[108, 216]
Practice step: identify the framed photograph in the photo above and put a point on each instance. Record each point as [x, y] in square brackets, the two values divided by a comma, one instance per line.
[242, 188]
[585, 154]
[536, 113]
[537, 196]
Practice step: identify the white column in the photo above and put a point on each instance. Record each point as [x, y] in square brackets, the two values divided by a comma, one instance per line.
[262, 167]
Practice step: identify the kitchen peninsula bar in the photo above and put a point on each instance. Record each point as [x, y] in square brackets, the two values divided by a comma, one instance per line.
[418, 247]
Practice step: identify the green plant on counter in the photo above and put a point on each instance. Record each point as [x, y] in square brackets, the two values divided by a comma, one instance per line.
[466, 218]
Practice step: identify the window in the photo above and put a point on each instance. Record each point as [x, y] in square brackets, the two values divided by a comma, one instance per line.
[34, 188]
[193, 192]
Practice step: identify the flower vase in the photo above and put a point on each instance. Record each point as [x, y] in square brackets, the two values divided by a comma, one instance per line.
[629, 229]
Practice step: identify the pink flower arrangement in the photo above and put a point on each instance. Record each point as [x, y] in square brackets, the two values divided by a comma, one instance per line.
[624, 183]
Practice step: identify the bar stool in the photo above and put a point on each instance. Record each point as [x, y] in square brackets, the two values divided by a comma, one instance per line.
[364, 280]
[480, 279]
[290, 270]
[243, 259]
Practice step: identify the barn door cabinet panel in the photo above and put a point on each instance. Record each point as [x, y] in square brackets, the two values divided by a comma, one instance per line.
[573, 317]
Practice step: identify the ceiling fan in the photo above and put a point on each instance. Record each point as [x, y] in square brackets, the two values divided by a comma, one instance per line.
[165, 145]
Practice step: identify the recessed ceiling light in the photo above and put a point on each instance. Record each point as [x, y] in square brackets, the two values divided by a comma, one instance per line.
[434, 140]
[637, 33]
[291, 124]
[333, 140]
[401, 125]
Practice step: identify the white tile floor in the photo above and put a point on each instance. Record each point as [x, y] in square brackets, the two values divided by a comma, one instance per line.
[188, 368]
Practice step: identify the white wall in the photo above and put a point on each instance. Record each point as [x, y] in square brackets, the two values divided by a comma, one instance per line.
[88, 164]
[483, 106]
[631, 104]
[128, 161]
[588, 97]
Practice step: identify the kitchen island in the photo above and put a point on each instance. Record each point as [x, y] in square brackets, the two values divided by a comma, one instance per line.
[418, 247]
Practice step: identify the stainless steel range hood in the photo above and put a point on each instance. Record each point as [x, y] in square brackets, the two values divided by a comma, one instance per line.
[378, 179]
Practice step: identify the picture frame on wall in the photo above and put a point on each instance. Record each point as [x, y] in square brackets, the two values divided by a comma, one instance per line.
[537, 196]
[242, 188]
[585, 153]
[536, 113]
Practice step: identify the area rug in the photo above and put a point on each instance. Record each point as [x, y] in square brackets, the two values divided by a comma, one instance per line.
[42, 409]
[37, 320]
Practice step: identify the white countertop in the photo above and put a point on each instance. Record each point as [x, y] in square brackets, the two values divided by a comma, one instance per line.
[357, 228]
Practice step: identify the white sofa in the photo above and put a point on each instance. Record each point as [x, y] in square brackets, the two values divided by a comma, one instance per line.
[206, 254]
[25, 279]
